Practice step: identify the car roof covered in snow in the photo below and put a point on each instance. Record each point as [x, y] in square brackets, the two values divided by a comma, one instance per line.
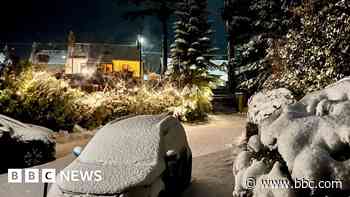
[24, 132]
[127, 151]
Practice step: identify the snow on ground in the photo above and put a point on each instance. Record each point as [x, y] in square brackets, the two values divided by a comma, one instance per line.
[219, 134]
[213, 147]
[212, 175]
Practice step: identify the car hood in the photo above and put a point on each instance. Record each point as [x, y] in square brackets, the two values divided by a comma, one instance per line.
[115, 179]
[129, 152]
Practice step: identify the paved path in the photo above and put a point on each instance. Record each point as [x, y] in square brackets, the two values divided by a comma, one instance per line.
[213, 153]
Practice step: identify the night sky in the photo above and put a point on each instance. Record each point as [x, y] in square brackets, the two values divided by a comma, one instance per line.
[91, 21]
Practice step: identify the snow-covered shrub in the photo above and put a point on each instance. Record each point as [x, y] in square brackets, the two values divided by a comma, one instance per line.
[195, 103]
[46, 101]
[316, 54]
[265, 104]
[155, 100]
[99, 108]
[308, 140]
[42, 99]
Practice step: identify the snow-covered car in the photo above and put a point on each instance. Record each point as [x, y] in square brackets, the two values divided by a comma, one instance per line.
[136, 156]
[29, 145]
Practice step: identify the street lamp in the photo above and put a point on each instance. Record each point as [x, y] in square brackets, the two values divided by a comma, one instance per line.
[141, 39]
[140, 42]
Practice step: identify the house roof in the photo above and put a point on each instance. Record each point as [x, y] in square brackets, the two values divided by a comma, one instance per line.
[106, 52]
[54, 57]
[49, 53]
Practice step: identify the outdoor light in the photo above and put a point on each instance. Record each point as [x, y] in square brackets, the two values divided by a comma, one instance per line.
[141, 39]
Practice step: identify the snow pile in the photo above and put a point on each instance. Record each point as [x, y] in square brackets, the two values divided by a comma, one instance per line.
[24, 145]
[308, 140]
[268, 103]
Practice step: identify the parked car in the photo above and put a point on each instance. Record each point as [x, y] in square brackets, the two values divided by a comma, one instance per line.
[24, 145]
[140, 156]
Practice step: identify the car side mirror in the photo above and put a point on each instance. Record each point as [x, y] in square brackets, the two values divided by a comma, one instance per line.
[172, 155]
[77, 150]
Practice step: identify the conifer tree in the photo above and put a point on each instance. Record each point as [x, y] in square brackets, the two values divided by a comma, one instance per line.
[252, 27]
[191, 49]
[190, 54]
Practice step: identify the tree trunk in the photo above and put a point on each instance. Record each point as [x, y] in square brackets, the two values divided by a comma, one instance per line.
[165, 46]
[231, 66]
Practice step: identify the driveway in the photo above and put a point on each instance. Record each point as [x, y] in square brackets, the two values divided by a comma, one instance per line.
[213, 147]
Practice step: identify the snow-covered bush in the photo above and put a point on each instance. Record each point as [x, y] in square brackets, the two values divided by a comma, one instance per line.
[195, 103]
[46, 101]
[42, 99]
[316, 54]
[309, 140]
[98, 108]
[265, 104]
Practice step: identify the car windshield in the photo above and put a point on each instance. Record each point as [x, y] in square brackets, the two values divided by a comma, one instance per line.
[131, 141]
[6, 121]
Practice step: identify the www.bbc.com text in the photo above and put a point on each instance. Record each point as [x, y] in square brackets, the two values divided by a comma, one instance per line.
[251, 183]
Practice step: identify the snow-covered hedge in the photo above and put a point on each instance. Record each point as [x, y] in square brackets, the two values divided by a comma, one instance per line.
[42, 99]
[315, 54]
[309, 140]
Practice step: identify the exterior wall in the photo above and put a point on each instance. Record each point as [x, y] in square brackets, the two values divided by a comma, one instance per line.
[132, 66]
[79, 64]
[85, 58]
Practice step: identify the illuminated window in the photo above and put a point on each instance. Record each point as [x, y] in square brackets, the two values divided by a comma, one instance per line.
[125, 67]
[108, 68]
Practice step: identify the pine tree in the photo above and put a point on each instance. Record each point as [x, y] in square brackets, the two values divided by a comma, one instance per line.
[191, 49]
[190, 54]
[252, 27]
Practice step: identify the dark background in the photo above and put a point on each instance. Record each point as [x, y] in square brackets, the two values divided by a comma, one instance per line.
[25, 21]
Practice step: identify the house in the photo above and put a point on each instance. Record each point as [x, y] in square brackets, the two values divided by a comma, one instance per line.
[49, 56]
[85, 58]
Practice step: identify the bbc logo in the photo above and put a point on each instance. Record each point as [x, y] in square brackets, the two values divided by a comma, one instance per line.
[31, 175]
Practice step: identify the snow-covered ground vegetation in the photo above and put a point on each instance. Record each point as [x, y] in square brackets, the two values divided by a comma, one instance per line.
[304, 140]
